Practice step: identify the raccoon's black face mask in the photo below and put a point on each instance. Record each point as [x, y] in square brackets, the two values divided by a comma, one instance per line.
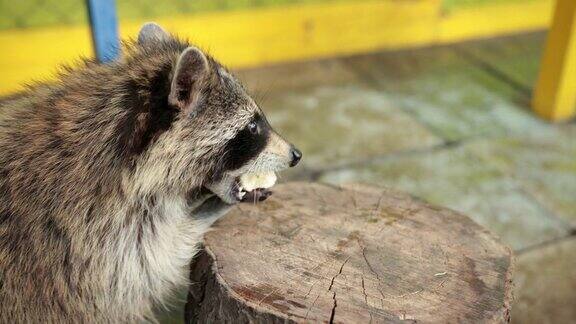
[258, 151]
[248, 143]
[255, 150]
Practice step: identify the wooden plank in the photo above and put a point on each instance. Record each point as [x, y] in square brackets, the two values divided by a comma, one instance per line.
[454, 98]
[514, 59]
[286, 33]
[489, 20]
[314, 253]
[555, 93]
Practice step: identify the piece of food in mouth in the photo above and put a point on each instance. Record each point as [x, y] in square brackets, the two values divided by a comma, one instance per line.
[262, 180]
[254, 186]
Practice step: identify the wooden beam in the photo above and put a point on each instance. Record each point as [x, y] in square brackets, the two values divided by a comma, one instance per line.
[555, 92]
[255, 37]
[490, 20]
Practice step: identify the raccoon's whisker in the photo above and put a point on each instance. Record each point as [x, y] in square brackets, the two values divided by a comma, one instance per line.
[253, 168]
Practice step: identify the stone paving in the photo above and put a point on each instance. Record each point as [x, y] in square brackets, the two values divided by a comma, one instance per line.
[452, 126]
[545, 283]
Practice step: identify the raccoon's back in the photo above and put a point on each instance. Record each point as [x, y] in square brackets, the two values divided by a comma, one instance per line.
[48, 184]
[35, 265]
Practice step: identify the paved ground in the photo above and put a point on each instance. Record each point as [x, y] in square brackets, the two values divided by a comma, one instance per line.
[450, 125]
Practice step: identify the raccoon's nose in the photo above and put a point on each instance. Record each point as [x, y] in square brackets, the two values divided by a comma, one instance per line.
[296, 156]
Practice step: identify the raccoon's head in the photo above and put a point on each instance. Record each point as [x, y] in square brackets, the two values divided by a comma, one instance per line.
[219, 132]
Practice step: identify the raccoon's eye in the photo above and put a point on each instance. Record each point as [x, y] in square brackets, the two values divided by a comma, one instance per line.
[253, 127]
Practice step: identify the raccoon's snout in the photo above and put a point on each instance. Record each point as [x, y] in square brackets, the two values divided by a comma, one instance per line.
[296, 156]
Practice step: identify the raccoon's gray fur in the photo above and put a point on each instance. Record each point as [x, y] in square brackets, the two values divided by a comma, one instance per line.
[104, 176]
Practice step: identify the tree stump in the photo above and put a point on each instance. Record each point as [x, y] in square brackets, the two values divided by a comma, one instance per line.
[356, 254]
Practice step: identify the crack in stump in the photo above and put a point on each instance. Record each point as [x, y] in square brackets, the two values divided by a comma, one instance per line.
[333, 313]
[313, 303]
[366, 297]
[373, 271]
[333, 308]
[339, 273]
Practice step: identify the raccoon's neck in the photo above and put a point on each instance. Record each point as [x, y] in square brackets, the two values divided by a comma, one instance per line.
[150, 255]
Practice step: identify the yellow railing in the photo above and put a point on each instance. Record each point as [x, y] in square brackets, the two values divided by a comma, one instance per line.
[555, 92]
[276, 34]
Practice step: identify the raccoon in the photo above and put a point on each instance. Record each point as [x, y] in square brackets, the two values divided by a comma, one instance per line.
[110, 175]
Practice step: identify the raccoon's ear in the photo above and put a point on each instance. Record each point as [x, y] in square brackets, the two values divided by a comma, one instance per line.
[151, 33]
[190, 71]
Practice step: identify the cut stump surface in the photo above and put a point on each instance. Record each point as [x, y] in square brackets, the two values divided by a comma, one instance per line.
[355, 254]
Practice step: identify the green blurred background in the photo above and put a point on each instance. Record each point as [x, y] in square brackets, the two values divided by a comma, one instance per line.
[40, 13]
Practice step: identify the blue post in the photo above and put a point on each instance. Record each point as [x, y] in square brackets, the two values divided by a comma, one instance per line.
[104, 27]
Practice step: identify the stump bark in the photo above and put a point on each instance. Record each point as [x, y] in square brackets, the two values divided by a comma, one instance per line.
[354, 254]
